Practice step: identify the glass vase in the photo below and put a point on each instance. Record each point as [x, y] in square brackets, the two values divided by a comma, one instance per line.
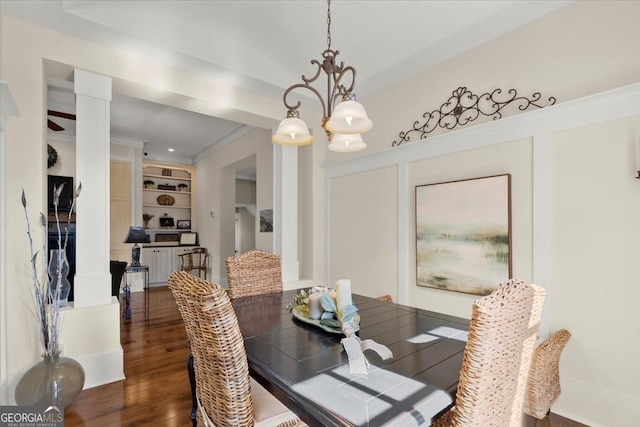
[58, 271]
[54, 381]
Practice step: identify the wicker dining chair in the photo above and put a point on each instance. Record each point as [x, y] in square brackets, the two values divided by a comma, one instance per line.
[227, 396]
[497, 357]
[253, 273]
[543, 387]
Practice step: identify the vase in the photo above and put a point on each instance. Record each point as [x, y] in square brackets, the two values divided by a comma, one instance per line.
[54, 381]
[58, 271]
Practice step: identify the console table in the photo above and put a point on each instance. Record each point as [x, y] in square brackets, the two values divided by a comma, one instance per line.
[127, 289]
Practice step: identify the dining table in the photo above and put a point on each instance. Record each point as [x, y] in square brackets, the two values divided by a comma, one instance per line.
[305, 366]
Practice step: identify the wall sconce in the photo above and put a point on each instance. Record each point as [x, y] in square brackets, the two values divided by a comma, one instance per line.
[136, 235]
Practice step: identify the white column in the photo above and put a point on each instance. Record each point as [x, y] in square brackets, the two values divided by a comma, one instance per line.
[93, 279]
[285, 174]
[541, 170]
[8, 109]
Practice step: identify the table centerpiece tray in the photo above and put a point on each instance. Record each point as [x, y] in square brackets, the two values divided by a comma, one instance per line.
[301, 312]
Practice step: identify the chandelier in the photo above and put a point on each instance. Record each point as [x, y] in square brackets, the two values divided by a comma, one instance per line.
[342, 121]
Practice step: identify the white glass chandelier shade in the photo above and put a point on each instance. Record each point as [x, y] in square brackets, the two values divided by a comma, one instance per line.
[342, 122]
[349, 117]
[292, 131]
[345, 142]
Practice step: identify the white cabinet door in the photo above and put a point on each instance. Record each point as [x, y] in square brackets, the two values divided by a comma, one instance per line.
[159, 262]
[148, 257]
[163, 264]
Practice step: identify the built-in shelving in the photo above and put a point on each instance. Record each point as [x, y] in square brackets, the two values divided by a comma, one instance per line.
[178, 186]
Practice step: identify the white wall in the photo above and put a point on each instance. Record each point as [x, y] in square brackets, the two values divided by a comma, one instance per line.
[595, 269]
[28, 54]
[66, 164]
[363, 230]
[245, 191]
[246, 213]
[588, 265]
[584, 48]
[567, 184]
[247, 230]
[216, 178]
[8, 109]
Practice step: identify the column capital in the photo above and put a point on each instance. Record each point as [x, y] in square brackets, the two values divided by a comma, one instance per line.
[93, 85]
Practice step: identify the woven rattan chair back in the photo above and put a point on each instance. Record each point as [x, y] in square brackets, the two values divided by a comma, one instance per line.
[497, 357]
[223, 385]
[543, 387]
[253, 273]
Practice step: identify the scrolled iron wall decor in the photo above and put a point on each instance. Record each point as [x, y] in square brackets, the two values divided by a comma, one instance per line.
[464, 107]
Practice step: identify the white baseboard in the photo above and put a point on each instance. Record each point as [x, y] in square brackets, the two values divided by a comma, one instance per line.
[100, 369]
[596, 407]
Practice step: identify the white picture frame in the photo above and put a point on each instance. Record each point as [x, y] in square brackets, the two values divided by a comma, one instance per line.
[188, 238]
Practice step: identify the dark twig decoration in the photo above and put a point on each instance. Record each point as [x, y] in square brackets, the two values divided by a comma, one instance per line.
[464, 107]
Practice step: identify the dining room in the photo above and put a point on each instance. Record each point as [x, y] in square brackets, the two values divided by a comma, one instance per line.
[571, 200]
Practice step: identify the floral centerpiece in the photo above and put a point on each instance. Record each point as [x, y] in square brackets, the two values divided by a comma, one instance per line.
[55, 380]
[333, 309]
[326, 307]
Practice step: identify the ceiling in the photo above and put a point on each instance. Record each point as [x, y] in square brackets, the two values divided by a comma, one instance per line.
[263, 47]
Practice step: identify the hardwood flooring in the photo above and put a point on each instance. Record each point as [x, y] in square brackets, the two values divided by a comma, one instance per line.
[156, 391]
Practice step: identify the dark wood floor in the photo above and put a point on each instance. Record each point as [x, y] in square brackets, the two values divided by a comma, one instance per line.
[156, 391]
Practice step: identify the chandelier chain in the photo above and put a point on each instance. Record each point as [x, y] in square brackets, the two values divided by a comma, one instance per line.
[328, 24]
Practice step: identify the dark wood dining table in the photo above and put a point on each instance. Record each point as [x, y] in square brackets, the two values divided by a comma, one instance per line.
[308, 370]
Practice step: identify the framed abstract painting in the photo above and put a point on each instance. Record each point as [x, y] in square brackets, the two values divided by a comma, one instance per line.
[463, 234]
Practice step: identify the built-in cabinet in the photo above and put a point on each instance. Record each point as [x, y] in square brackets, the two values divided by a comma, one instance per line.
[159, 262]
[167, 205]
[163, 261]
[167, 201]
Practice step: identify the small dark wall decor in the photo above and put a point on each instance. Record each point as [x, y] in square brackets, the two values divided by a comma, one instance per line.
[266, 221]
[52, 156]
[166, 221]
[464, 107]
[463, 234]
[184, 224]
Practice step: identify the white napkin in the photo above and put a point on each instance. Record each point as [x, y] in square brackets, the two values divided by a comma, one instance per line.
[354, 348]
